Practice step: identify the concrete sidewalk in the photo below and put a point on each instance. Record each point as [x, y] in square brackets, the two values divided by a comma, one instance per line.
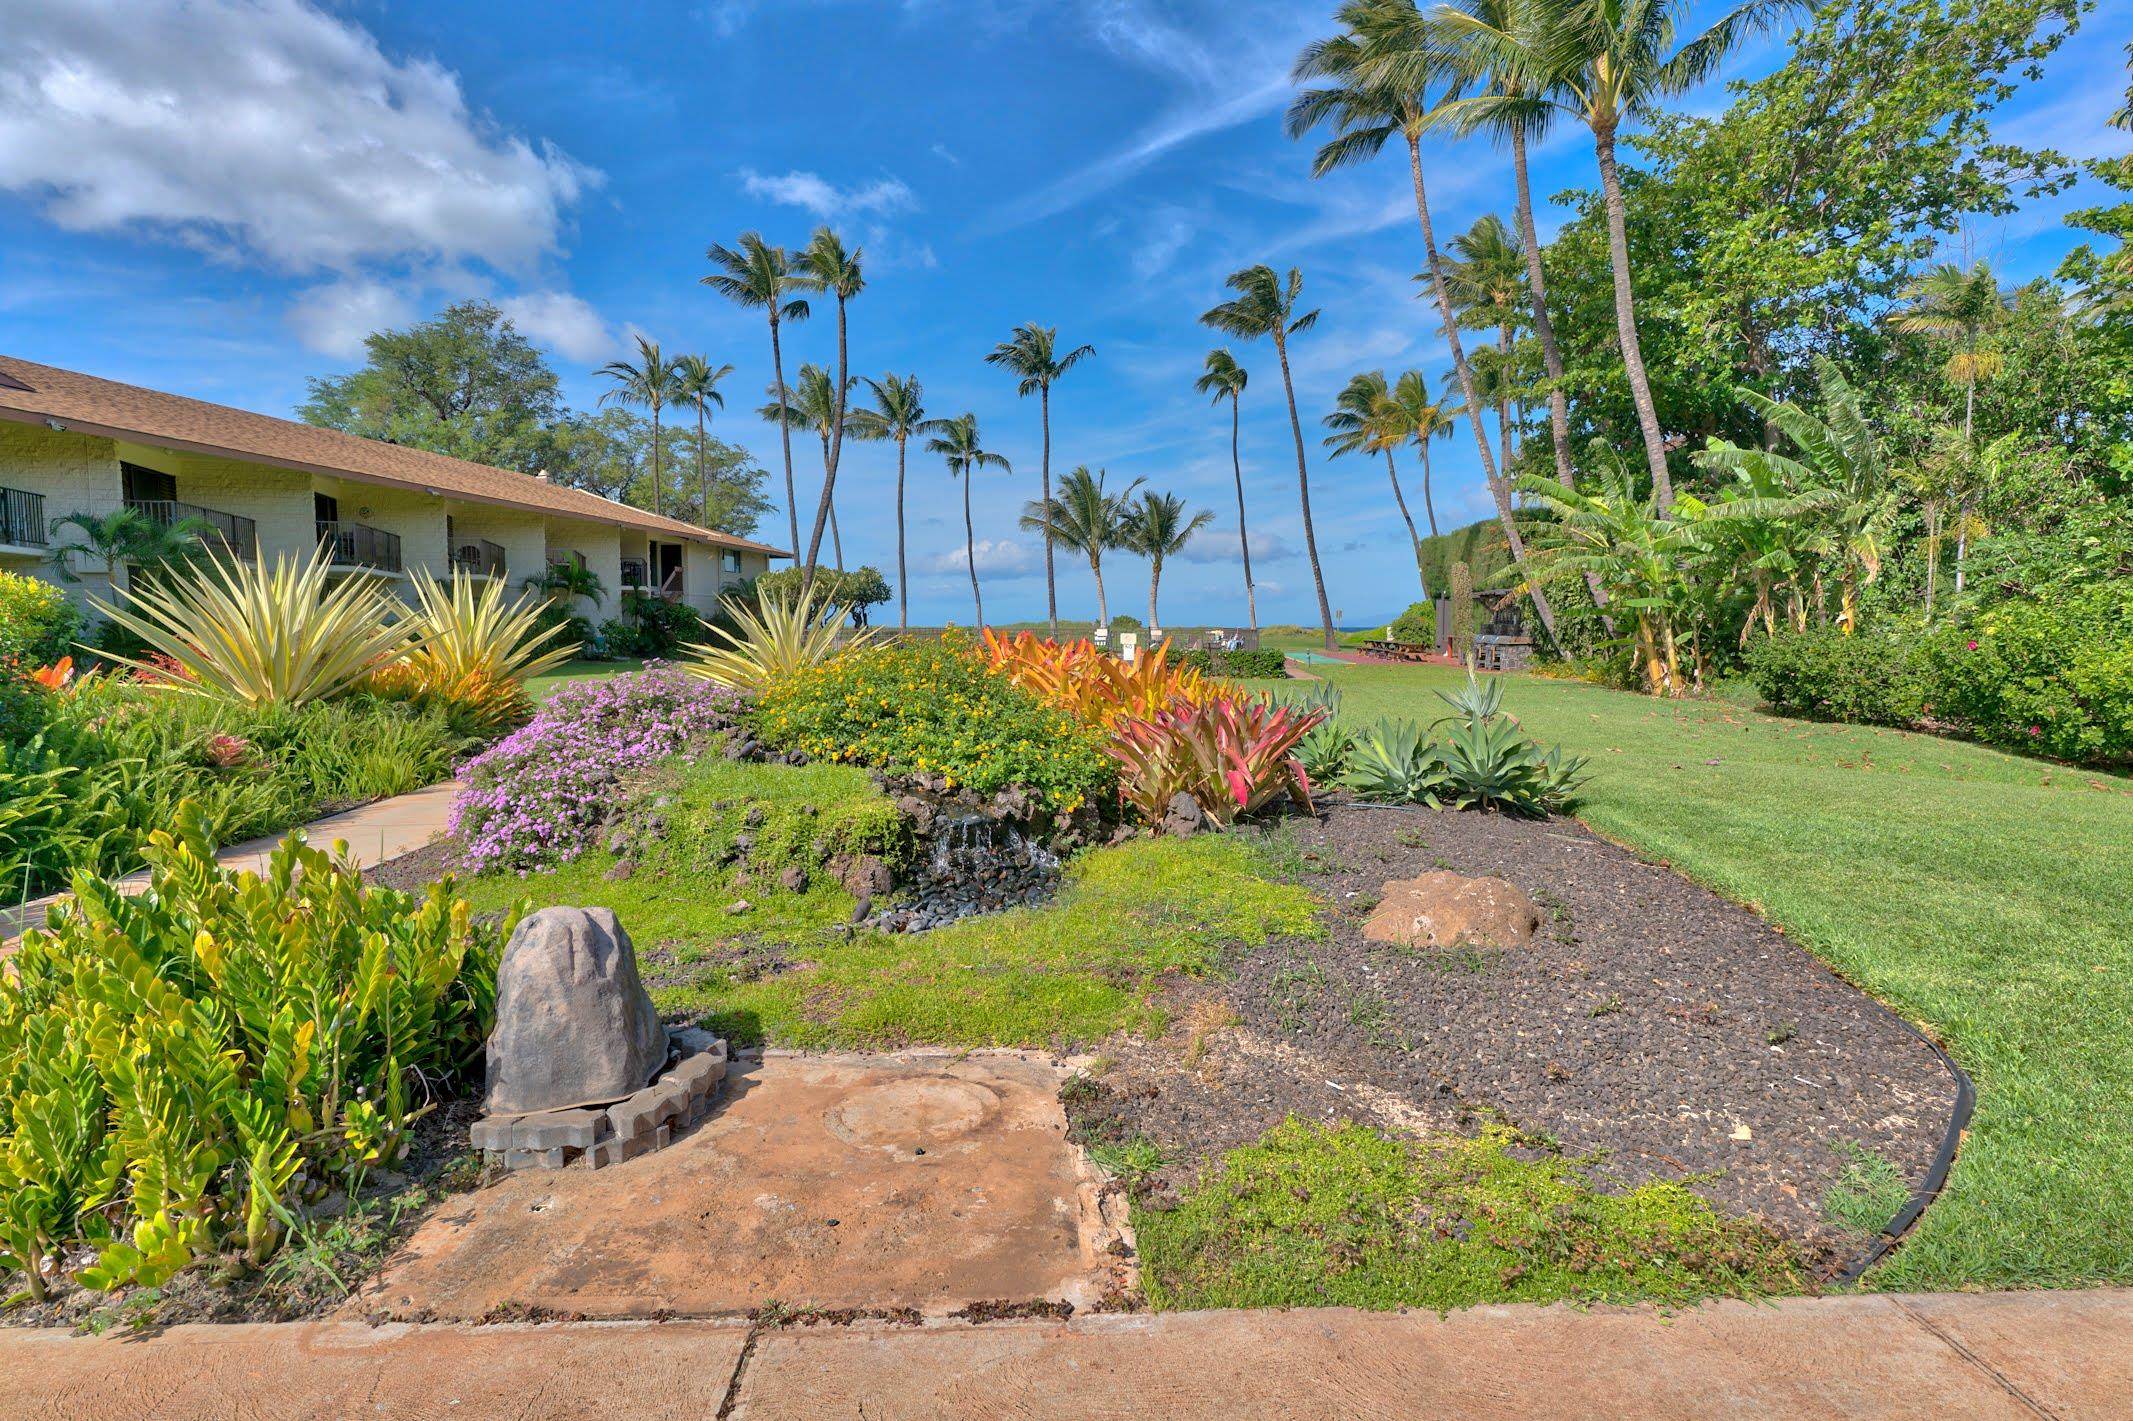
[383, 829]
[2067, 1356]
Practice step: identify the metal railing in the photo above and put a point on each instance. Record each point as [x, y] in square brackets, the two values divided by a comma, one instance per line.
[234, 532]
[358, 545]
[22, 518]
[479, 556]
[636, 574]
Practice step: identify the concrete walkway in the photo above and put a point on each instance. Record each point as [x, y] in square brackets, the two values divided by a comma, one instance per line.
[383, 829]
[2065, 1356]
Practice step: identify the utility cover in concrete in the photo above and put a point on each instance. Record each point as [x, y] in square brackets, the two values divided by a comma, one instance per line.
[926, 1182]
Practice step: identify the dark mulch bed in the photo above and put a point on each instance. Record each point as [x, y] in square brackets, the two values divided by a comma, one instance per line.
[1651, 1022]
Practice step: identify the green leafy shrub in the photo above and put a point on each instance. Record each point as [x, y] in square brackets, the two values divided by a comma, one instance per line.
[38, 624]
[650, 627]
[1264, 664]
[689, 823]
[1871, 676]
[178, 1069]
[114, 759]
[933, 707]
[2049, 676]
[1417, 626]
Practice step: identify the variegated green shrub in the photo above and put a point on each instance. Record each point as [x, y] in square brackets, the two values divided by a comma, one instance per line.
[180, 1069]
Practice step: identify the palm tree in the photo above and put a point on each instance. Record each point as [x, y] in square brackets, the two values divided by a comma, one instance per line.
[1158, 527]
[1381, 67]
[1487, 275]
[652, 382]
[758, 275]
[899, 414]
[827, 266]
[1225, 379]
[957, 442]
[1365, 420]
[1032, 353]
[697, 382]
[1607, 63]
[814, 402]
[1265, 305]
[1959, 307]
[1424, 419]
[127, 537]
[1491, 43]
[1084, 518]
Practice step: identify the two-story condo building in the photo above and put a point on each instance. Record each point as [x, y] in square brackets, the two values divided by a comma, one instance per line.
[262, 487]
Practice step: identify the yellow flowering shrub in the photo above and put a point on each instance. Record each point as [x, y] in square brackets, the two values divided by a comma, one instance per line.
[938, 708]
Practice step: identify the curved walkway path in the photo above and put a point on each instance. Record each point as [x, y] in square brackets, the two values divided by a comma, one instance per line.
[2063, 1356]
[383, 829]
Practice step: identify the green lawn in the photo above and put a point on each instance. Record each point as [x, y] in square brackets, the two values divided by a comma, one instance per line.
[539, 687]
[1987, 897]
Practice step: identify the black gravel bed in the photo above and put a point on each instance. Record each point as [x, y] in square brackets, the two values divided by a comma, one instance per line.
[1652, 1023]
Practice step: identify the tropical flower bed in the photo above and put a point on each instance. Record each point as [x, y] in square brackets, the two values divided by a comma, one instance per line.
[542, 794]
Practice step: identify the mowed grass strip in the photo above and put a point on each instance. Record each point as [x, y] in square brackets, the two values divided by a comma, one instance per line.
[1984, 895]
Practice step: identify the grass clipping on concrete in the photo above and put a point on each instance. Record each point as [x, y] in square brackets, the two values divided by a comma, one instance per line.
[1341, 1216]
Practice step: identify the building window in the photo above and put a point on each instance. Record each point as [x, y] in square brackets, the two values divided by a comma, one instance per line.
[730, 561]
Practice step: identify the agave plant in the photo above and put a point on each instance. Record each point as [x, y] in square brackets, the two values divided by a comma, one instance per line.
[1490, 763]
[473, 650]
[1395, 761]
[280, 635]
[780, 636]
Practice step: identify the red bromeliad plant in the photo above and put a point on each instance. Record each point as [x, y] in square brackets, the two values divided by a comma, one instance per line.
[1231, 755]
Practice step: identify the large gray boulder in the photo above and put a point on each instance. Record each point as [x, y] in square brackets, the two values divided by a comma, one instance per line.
[573, 1021]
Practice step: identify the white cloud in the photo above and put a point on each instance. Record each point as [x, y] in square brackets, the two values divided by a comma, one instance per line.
[333, 318]
[266, 130]
[996, 557]
[1217, 544]
[566, 324]
[824, 198]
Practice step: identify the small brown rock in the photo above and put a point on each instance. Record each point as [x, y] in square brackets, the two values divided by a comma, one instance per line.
[1450, 910]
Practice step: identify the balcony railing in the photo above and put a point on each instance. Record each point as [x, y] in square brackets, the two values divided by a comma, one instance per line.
[479, 556]
[358, 545]
[232, 532]
[22, 518]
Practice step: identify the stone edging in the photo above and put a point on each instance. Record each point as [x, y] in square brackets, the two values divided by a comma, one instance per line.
[596, 1135]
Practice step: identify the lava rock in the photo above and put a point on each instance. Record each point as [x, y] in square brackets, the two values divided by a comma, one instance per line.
[737, 907]
[1183, 817]
[868, 876]
[573, 1021]
[621, 872]
[863, 909]
[793, 879]
[754, 817]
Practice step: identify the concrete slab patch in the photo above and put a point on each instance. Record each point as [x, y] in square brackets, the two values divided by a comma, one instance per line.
[330, 1371]
[926, 1181]
[1827, 1358]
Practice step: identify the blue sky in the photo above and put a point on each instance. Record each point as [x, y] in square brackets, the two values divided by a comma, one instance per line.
[221, 199]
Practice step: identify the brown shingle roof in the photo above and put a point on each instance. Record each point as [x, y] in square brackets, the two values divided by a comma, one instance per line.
[32, 393]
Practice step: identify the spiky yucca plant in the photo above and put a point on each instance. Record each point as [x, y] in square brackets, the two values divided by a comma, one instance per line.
[473, 648]
[257, 635]
[780, 636]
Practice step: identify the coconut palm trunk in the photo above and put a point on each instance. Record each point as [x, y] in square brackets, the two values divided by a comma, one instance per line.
[1465, 372]
[1543, 327]
[1429, 502]
[970, 551]
[1303, 488]
[903, 579]
[1414, 540]
[1103, 607]
[777, 370]
[1640, 385]
[1155, 582]
[1244, 542]
[1044, 491]
[703, 479]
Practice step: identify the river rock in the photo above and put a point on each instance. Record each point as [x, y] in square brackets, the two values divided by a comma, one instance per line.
[1451, 910]
[573, 1021]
